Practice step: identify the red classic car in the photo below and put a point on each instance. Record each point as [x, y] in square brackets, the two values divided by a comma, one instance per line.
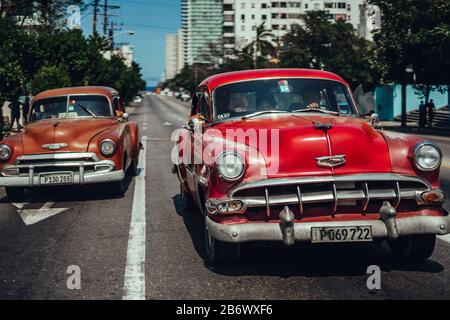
[284, 155]
[74, 136]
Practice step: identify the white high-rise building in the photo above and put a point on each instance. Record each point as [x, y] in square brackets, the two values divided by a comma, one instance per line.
[370, 20]
[202, 28]
[171, 56]
[279, 16]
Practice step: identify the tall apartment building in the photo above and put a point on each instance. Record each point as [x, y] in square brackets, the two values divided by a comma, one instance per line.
[202, 28]
[370, 20]
[278, 16]
[171, 56]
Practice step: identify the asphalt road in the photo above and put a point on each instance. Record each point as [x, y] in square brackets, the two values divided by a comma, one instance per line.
[93, 232]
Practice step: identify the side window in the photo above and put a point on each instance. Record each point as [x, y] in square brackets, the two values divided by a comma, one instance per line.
[204, 108]
[116, 104]
[194, 104]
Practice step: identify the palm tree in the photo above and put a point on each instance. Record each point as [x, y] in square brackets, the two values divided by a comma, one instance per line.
[262, 45]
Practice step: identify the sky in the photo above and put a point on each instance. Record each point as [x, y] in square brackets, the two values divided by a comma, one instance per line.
[151, 20]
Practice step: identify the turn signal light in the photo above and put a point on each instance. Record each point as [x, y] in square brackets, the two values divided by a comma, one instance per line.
[432, 196]
[229, 206]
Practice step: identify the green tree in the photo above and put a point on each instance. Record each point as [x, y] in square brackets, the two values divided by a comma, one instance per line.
[334, 47]
[50, 77]
[416, 39]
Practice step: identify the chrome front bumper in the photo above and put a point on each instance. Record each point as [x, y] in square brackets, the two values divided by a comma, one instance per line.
[85, 167]
[87, 178]
[266, 231]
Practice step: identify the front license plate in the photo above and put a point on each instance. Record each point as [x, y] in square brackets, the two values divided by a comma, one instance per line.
[341, 234]
[56, 178]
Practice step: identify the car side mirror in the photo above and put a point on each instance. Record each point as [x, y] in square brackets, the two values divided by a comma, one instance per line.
[196, 121]
[125, 117]
[374, 118]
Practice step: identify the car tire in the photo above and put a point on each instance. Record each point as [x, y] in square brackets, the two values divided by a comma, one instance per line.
[219, 252]
[15, 193]
[414, 247]
[117, 188]
[187, 202]
[133, 170]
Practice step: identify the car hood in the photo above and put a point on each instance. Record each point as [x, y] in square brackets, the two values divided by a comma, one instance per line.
[302, 140]
[75, 133]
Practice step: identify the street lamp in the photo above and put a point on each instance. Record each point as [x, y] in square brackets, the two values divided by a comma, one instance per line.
[128, 32]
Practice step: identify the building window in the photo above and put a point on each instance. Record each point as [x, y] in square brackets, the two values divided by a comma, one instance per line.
[253, 17]
[253, 6]
[275, 5]
[253, 28]
[242, 17]
[264, 17]
[282, 4]
[242, 5]
[341, 5]
[349, 17]
[243, 28]
[263, 5]
[306, 6]
[328, 5]
[316, 6]
[282, 15]
[275, 15]
[349, 7]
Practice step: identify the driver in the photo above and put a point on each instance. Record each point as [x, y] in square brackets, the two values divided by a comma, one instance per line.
[311, 98]
[239, 103]
[266, 103]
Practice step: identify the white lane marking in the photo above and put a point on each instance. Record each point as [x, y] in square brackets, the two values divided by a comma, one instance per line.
[19, 205]
[134, 279]
[445, 238]
[32, 216]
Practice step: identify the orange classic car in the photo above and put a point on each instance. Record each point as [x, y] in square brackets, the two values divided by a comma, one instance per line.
[74, 136]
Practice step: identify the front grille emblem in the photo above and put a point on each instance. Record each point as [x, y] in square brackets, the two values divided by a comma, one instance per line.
[54, 146]
[331, 162]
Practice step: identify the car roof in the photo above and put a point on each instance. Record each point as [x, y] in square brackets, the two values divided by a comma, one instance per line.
[246, 75]
[106, 91]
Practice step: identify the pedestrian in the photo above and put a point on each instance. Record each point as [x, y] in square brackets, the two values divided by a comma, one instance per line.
[25, 110]
[15, 112]
[431, 108]
[422, 115]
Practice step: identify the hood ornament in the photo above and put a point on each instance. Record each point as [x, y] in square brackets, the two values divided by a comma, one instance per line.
[54, 146]
[331, 161]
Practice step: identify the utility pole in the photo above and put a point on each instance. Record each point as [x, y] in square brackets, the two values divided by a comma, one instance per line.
[105, 17]
[94, 24]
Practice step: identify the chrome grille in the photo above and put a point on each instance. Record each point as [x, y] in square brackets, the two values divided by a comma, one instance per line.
[331, 191]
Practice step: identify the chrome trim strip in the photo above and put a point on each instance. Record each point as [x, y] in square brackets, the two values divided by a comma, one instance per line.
[267, 198]
[366, 195]
[335, 198]
[300, 203]
[321, 179]
[398, 194]
[58, 156]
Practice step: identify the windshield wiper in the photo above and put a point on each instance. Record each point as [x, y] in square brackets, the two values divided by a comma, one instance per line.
[87, 110]
[258, 113]
[316, 110]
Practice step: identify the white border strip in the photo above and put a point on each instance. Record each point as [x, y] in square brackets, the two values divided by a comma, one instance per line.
[134, 279]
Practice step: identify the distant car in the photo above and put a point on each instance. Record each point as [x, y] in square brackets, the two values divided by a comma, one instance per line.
[138, 99]
[185, 97]
[74, 136]
[283, 155]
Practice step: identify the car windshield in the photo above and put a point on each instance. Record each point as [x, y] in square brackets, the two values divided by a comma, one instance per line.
[258, 97]
[71, 107]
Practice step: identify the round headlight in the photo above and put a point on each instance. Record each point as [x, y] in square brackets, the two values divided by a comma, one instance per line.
[230, 166]
[107, 147]
[5, 152]
[427, 156]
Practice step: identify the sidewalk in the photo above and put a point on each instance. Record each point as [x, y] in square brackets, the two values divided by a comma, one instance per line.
[413, 128]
